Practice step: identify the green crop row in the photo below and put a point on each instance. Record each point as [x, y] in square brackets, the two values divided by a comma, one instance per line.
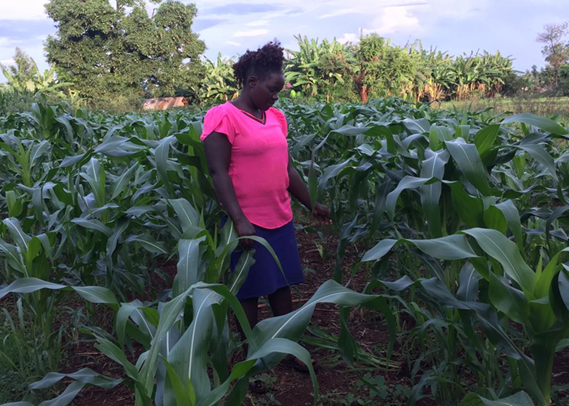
[468, 211]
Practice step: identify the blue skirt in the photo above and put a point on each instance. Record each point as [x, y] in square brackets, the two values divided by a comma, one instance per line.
[265, 277]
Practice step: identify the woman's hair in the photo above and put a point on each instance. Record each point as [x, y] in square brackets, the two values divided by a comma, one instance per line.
[263, 62]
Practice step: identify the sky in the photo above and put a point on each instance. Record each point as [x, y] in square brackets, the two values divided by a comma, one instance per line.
[231, 27]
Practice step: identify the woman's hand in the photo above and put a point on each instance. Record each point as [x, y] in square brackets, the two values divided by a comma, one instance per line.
[243, 228]
[322, 214]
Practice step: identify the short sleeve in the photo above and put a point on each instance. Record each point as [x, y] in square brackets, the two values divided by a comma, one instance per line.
[216, 120]
[282, 121]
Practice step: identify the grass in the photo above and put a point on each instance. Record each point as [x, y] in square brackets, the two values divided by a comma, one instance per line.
[542, 106]
[17, 361]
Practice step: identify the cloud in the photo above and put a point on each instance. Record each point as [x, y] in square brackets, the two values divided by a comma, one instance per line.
[6, 42]
[259, 23]
[235, 44]
[341, 12]
[422, 3]
[241, 9]
[395, 19]
[7, 62]
[250, 33]
[205, 23]
[349, 37]
[23, 10]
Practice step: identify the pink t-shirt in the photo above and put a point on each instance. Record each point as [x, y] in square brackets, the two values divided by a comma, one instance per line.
[259, 162]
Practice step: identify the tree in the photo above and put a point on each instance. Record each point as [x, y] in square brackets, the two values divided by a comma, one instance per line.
[556, 52]
[121, 51]
[564, 79]
[25, 76]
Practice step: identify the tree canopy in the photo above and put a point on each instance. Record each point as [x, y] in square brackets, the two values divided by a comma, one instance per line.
[108, 51]
[555, 50]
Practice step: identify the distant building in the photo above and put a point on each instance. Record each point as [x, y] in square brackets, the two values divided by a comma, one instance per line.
[163, 103]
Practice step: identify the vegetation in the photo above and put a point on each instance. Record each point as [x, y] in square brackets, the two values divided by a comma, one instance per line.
[92, 204]
[459, 211]
[109, 53]
[376, 68]
[543, 106]
[114, 57]
[555, 51]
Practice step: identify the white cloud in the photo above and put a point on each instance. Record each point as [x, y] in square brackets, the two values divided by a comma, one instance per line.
[7, 62]
[23, 10]
[250, 33]
[341, 12]
[395, 19]
[6, 42]
[236, 44]
[349, 37]
[260, 23]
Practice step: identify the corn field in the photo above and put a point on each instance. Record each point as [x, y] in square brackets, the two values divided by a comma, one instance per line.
[462, 216]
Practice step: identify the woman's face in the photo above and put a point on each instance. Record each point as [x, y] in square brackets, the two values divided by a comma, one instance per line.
[265, 91]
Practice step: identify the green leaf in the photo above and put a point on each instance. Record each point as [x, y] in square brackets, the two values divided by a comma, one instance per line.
[433, 167]
[15, 229]
[434, 142]
[121, 182]
[93, 225]
[497, 246]
[116, 354]
[187, 215]
[420, 125]
[161, 156]
[508, 300]
[84, 375]
[538, 153]
[468, 160]
[15, 206]
[11, 253]
[189, 356]
[408, 182]
[469, 278]
[66, 397]
[189, 270]
[312, 183]
[494, 218]
[28, 285]
[449, 247]
[331, 172]
[149, 244]
[519, 399]
[542, 123]
[37, 151]
[544, 280]
[485, 138]
[96, 294]
[182, 395]
[292, 325]
[239, 275]
[470, 209]
[168, 316]
[512, 216]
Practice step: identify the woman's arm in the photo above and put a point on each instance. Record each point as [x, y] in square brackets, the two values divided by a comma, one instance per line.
[218, 155]
[299, 191]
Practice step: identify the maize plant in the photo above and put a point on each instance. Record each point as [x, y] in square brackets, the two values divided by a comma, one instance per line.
[462, 216]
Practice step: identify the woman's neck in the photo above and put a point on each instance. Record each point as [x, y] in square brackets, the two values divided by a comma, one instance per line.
[244, 103]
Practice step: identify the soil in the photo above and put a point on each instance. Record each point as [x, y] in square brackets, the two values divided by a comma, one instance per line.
[339, 384]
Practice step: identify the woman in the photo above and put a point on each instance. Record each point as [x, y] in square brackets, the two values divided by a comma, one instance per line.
[247, 154]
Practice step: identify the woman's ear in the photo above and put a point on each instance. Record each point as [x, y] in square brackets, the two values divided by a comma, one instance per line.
[252, 81]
